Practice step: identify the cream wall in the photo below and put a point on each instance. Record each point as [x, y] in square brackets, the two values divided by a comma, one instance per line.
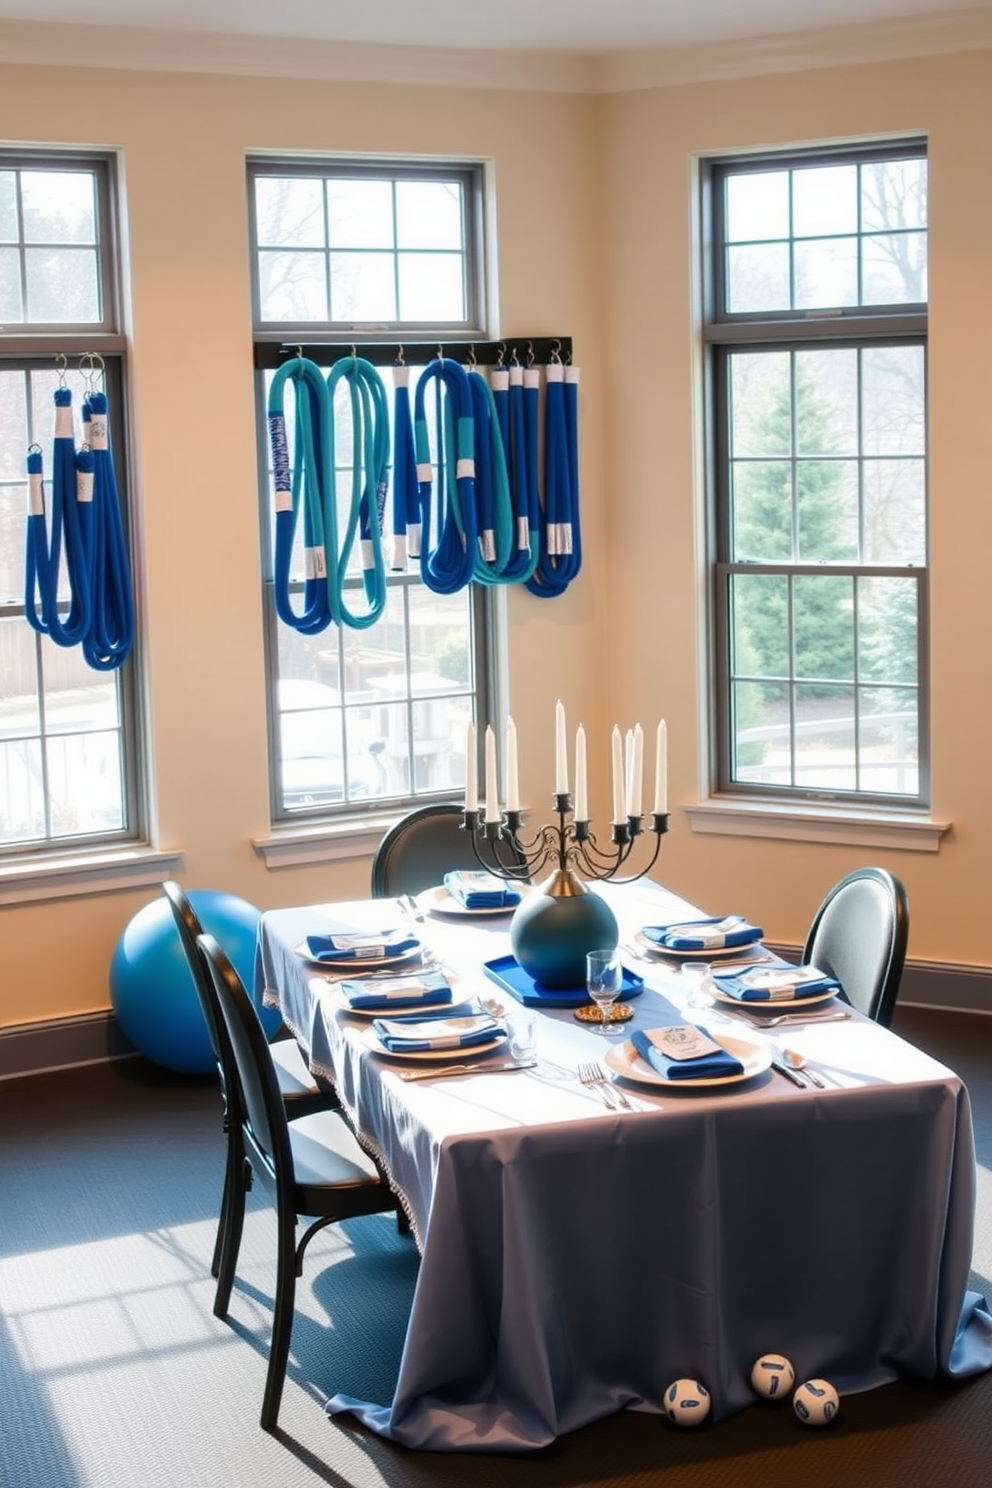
[593, 204]
[653, 484]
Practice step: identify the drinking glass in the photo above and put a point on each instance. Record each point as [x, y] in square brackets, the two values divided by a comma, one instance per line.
[604, 978]
[697, 978]
[523, 1033]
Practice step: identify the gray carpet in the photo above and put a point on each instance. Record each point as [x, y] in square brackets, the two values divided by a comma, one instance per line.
[115, 1374]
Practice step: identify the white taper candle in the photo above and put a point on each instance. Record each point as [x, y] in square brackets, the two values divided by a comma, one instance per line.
[618, 790]
[661, 771]
[561, 759]
[581, 802]
[512, 771]
[492, 789]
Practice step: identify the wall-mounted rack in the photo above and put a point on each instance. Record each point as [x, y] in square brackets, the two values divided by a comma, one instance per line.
[528, 350]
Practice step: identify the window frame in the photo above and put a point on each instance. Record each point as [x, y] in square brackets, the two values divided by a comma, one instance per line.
[485, 604]
[33, 347]
[724, 333]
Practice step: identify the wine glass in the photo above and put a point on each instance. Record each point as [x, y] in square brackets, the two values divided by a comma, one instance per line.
[604, 978]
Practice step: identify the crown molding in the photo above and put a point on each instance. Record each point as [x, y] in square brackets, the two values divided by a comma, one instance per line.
[795, 51]
[146, 50]
[134, 48]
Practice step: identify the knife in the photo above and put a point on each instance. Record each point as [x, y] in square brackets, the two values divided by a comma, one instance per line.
[466, 1069]
[790, 1074]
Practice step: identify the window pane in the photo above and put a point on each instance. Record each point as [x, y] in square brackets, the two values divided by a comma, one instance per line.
[761, 733]
[85, 784]
[19, 714]
[63, 285]
[894, 400]
[362, 287]
[360, 214]
[11, 308]
[824, 622]
[889, 738]
[827, 503]
[289, 212]
[826, 272]
[761, 403]
[893, 194]
[825, 200]
[894, 269]
[440, 641]
[888, 627]
[13, 522]
[758, 278]
[59, 206]
[760, 611]
[429, 214]
[825, 739]
[762, 511]
[22, 791]
[292, 286]
[9, 230]
[757, 206]
[431, 287]
[895, 511]
[827, 402]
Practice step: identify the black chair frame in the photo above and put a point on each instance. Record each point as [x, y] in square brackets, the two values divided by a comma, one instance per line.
[417, 851]
[859, 935]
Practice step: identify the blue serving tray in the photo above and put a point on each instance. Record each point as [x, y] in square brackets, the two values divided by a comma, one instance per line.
[507, 973]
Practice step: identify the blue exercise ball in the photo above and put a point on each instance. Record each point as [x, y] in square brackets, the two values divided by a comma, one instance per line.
[151, 985]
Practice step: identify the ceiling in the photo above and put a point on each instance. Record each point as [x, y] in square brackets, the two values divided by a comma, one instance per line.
[584, 26]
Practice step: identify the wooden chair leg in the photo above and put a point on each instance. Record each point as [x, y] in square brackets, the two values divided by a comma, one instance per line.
[282, 1322]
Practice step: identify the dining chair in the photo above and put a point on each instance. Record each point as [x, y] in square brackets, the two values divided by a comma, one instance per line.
[312, 1165]
[859, 935]
[299, 1091]
[419, 849]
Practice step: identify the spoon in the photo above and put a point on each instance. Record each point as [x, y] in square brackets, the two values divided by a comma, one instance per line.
[795, 1059]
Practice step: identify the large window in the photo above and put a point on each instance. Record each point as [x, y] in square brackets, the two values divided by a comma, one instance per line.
[66, 731]
[390, 256]
[816, 335]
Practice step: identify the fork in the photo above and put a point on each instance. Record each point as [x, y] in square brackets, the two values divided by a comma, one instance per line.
[793, 1017]
[593, 1076]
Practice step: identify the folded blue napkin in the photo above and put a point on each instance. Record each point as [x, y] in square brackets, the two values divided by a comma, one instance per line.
[360, 945]
[441, 1034]
[480, 890]
[419, 989]
[707, 1067]
[776, 983]
[703, 935]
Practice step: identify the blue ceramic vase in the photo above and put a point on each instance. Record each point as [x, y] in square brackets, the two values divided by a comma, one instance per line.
[555, 925]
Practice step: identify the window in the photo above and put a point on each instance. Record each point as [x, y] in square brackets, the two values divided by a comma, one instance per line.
[816, 336]
[387, 255]
[67, 771]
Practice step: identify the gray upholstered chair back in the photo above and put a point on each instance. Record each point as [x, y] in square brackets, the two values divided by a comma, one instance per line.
[859, 936]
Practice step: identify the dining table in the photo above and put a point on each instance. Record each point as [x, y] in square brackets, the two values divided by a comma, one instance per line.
[584, 1246]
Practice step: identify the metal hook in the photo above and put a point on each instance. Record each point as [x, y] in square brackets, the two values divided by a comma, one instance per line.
[514, 359]
[556, 353]
[400, 359]
[500, 353]
[530, 353]
[440, 352]
[61, 363]
[470, 360]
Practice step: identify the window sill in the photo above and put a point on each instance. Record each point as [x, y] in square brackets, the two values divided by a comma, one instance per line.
[328, 842]
[74, 875]
[787, 822]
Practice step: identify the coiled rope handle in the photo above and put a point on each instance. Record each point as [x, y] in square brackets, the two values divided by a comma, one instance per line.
[449, 522]
[111, 633]
[302, 490]
[369, 412]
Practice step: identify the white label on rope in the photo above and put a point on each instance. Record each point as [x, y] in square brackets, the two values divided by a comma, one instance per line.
[284, 501]
[516, 376]
[523, 532]
[425, 472]
[413, 539]
[401, 376]
[532, 377]
[63, 421]
[563, 536]
[398, 560]
[500, 379]
[98, 431]
[84, 485]
[316, 563]
[555, 372]
[572, 374]
[465, 470]
[487, 545]
[36, 495]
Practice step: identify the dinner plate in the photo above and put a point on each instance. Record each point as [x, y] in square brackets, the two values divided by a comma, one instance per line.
[466, 1006]
[358, 964]
[443, 1056]
[773, 1004]
[438, 901]
[714, 953]
[623, 1059]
